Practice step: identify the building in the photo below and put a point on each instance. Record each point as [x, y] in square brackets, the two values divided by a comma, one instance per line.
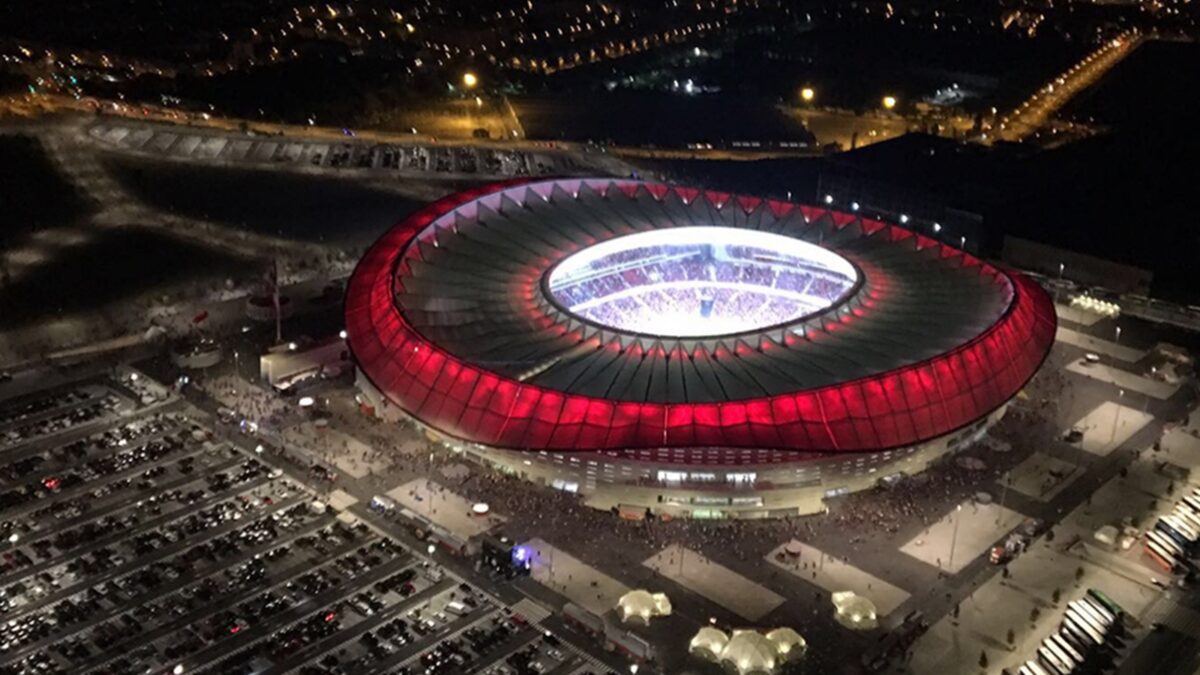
[685, 352]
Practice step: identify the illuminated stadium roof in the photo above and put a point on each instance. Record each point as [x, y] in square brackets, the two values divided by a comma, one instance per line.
[695, 281]
[464, 316]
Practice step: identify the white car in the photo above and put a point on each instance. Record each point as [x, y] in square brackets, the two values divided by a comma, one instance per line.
[1091, 357]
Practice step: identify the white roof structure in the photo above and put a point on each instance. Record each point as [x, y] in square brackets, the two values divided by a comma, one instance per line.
[788, 644]
[709, 643]
[854, 611]
[642, 605]
[748, 652]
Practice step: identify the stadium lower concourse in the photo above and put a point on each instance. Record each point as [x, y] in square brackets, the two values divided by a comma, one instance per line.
[693, 353]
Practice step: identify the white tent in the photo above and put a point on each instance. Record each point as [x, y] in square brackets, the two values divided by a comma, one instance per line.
[642, 605]
[709, 643]
[789, 645]
[854, 611]
[749, 652]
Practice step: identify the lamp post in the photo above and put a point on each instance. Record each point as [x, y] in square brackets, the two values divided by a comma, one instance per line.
[1117, 415]
[1118, 332]
[954, 539]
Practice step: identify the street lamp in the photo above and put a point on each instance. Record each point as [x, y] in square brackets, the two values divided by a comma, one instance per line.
[177, 670]
[14, 538]
[953, 539]
[889, 102]
[1118, 340]
[807, 94]
[431, 549]
[470, 80]
[1117, 415]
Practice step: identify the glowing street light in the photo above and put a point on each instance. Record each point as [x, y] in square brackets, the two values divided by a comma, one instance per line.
[807, 94]
[470, 80]
[889, 102]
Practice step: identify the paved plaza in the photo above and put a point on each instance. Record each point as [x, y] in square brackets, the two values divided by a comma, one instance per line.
[953, 645]
[445, 508]
[1118, 500]
[1124, 379]
[1042, 476]
[1109, 425]
[966, 531]
[1095, 344]
[833, 575]
[350, 455]
[715, 582]
[574, 579]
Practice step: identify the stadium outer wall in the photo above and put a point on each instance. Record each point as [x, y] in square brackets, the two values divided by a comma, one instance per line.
[711, 491]
[713, 481]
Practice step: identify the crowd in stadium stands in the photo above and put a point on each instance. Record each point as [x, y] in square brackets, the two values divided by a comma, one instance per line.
[618, 273]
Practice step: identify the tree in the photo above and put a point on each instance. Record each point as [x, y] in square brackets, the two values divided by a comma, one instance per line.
[1049, 536]
[1034, 614]
[1056, 596]
[1012, 636]
[1078, 573]
[955, 611]
[1004, 572]
[983, 661]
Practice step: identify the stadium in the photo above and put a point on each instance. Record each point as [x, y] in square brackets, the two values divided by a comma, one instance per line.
[686, 352]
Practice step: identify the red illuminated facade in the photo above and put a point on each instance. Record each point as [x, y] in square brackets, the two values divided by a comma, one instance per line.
[865, 376]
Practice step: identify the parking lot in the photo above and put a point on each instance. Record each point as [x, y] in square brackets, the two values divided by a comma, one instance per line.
[139, 537]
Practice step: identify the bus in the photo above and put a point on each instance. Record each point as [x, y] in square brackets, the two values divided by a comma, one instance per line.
[1187, 515]
[1165, 542]
[1033, 668]
[1105, 615]
[1081, 628]
[1063, 657]
[1168, 528]
[1109, 604]
[1053, 662]
[1067, 648]
[1160, 555]
[1090, 614]
[1083, 645]
[1184, 528]
[1192, 502]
